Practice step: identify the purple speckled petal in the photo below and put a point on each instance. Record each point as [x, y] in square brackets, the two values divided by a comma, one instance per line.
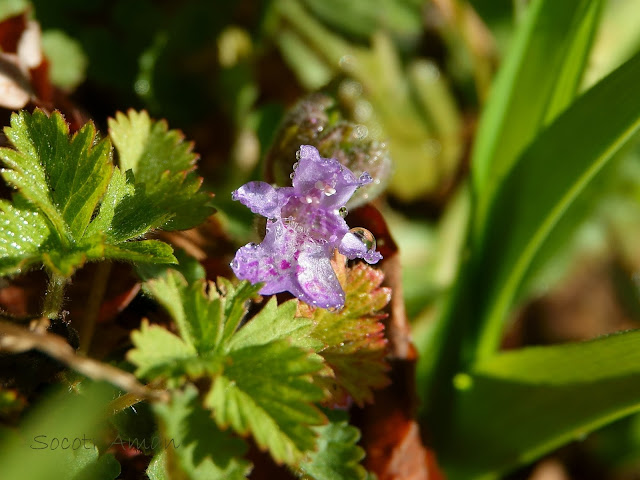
[271, 262]
[352, 248]
[260, 197]
[318, 281]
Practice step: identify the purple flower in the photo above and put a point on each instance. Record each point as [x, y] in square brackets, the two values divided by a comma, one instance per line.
[304, 227]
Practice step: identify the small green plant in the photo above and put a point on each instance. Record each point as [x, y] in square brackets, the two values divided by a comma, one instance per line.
[274, 377]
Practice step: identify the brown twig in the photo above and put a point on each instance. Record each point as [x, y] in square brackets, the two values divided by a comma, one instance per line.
[16, 340]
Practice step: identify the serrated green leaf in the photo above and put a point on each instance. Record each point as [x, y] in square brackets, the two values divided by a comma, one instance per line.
[235, 303]
[337, 456]
[205, 318]
[71, 206]
[575, 387]
[197, 448]
[163, 162]
[264, 384]
[159, 352]
[276, 322]
[63, 178]
[355, 346]
[24, 230]
[267, 390]
[143, 251]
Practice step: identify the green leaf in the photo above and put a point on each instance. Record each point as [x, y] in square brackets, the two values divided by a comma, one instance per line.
[267, 390]
[561, 162]
[24, 230]
[538, 79]
[91, 466]
[538, 399]
[276, 322]
[164, 163]
[72, 206]
[204, 317]
[157, 469]
[194, 446]
[159, 352]
[35, 449]
[262, 375]
[63, 178]
[337, 456]
[353, 338]
[67, 60]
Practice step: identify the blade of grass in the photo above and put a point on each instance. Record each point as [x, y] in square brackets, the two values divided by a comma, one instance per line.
[517, 406]
[539, 78]
[549, 177]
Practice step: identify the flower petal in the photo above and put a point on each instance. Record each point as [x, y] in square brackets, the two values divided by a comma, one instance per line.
[272, 262]
[317, 279]
[352, 247]
[324, 179]
[260, 197]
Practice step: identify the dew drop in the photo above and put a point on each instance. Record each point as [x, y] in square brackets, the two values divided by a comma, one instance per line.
[335, 309]
[308, 199]
[297, 164]
[365, 178]
[365, 236]
[234, 264]
[361, 132]
[343, 211]
[298, 157]
[291, 175]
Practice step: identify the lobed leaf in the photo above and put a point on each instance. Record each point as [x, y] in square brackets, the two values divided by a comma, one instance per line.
[164, 163]
[353, 338]
[268, 391]
[72, 206]
[194, 447]
[159, 353]
[261, 373]
[338, 455]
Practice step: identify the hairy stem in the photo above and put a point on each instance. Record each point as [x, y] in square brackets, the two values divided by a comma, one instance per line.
[55, 295]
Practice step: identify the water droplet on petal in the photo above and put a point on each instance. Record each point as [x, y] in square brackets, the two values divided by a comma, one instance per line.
[234, 264]
[291, 175]
[297, 164]
[329, 190]
[335, 309]
[298, 156]
[365, 178]
[308, 199]
[343, 211]
[365, 236]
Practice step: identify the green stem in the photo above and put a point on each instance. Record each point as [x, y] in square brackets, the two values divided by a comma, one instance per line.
[55, 295]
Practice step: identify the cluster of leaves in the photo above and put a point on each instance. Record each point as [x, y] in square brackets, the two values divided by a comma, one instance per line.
[265, 377]
[71, 205]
